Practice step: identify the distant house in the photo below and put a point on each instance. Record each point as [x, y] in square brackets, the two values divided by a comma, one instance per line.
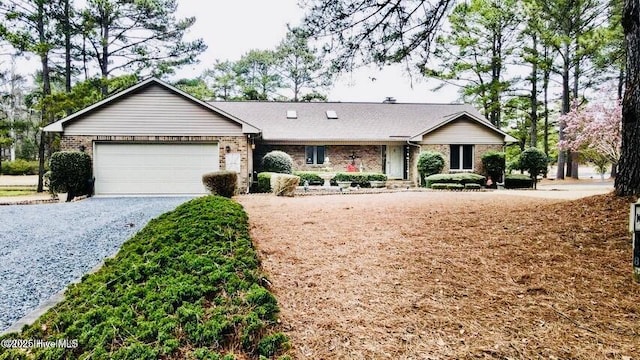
[155, 139]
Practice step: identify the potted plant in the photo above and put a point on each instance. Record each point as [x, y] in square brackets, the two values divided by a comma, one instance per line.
[344, 184]
[377, 180]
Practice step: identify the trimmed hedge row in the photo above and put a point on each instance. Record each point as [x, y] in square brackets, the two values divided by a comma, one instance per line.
[456, 178]
[454, 186]
[311, 176]
[188, 285]
[358, 179]
[518, 181]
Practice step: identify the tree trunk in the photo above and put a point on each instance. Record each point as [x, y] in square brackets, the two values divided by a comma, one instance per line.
[628, 180]
[575, 164]
[495, 90]
[534, 94]
[562, 155]
[620, 84]
[573, 160]
[614, 171]
[67, 48]
[545, 84]
[46, 90]
[104, 64]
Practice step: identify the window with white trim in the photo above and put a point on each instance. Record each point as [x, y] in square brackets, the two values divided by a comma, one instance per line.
[315, 155]
[461, 157]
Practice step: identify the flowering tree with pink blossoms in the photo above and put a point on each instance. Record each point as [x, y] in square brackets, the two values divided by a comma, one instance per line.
[595, 132]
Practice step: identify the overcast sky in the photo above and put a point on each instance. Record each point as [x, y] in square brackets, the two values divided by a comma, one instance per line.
[231, 28]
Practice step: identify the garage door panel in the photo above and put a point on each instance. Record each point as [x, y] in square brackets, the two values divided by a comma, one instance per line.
[153, 168]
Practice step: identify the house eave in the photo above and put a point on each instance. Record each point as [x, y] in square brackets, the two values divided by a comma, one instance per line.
[345, 141]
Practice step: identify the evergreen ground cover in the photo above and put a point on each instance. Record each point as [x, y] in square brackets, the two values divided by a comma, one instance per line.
[188, 285]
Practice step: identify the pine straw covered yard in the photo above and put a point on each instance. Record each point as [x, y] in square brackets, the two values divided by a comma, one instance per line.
[450, 275]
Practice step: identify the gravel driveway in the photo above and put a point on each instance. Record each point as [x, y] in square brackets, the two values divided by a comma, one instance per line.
[45, 247]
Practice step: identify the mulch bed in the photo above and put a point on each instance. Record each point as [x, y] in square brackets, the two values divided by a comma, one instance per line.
[439, 275]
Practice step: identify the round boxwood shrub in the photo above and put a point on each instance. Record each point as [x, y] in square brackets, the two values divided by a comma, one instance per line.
[71, 173]
[429, 163]
[278, 162]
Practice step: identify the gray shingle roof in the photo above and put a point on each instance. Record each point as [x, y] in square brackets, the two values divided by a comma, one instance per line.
[355, 122]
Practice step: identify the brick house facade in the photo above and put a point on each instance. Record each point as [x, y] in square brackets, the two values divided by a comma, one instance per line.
[160, 139]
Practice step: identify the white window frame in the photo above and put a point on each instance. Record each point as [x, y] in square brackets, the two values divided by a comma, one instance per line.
[461, 148]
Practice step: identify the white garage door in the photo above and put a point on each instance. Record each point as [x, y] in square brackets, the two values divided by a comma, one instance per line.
[153, 168]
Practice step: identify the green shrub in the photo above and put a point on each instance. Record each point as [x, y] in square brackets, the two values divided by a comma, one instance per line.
[264, 182]
[278, 162]
[455, 186]
[472, 186]
[311, 176]
[518, 181]
[494, 164]
[514, 164]
[429, 163]
[358, 179]
[71, 173]
[188, 283]
[535, 162]
[20, 167]
[273, 344]
[439, 186]
[284, 184]
[223, 183]
[456, 178]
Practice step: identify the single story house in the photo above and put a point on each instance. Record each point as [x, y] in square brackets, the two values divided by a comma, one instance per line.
[155, 139]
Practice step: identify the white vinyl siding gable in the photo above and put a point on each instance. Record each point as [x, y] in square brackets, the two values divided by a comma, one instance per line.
[463, 131]
[153, 111]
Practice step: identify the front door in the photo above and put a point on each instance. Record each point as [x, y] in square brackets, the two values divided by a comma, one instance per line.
[395, 161]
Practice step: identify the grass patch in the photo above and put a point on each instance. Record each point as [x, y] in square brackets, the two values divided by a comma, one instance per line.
[16, 191]
[188, 285]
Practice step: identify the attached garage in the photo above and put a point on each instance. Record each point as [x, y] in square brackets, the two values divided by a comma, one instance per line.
[153, 139]
[127, 169]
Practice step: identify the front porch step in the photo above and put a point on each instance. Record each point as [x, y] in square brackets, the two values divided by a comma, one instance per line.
[399, 184]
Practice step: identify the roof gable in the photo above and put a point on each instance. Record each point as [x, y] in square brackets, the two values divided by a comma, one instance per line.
[60, 125]
[478, 120]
